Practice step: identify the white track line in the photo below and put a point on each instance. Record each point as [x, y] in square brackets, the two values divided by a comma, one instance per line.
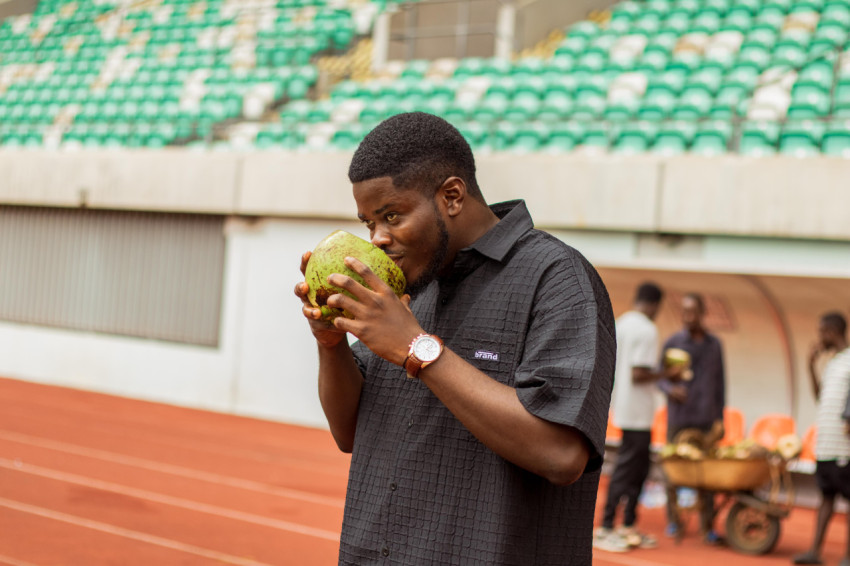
[155, 466]
[169, 500]
[8, 561]
[127, 533]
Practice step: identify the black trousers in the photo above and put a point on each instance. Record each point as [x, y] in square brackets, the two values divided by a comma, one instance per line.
[628, 477]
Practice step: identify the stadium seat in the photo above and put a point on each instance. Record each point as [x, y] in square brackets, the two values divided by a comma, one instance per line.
[759, 138]
[836, 139]
[634, 137]
[734, 428]
[768, 429]
[801, 139]
[658, 432]
[613, 434]
[712, 138]
[809, 441]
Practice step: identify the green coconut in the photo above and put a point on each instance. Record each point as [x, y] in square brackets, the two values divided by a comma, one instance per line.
[328, 258]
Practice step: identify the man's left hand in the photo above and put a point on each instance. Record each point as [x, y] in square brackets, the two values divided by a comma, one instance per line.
[382, 321]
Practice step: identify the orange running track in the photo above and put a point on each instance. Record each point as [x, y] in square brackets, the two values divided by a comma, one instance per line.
[88, 479]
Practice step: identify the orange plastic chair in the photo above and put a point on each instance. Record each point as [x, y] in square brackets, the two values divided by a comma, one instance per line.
[768, 429]
[733, 426]
[613, 434]
[809, 441]
[659, 427]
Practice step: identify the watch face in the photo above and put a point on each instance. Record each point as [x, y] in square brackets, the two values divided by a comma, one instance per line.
[426, 349]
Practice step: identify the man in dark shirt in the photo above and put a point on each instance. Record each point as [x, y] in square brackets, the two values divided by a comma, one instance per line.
[696, 403]
[491, 453]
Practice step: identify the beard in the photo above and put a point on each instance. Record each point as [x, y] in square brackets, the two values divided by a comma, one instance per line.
[441, 250]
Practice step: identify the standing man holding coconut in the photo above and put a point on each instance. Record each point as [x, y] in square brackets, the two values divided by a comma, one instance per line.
[696, 400]
[474, 406]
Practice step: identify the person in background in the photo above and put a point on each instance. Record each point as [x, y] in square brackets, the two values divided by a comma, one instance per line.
[633, 411]
[832, 451]
[695, 403]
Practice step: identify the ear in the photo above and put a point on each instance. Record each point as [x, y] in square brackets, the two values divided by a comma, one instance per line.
[451, 195]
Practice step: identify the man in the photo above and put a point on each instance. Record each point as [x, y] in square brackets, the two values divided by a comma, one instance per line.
[633, 408]
[832, 450]
[696, 403]
[475, 407]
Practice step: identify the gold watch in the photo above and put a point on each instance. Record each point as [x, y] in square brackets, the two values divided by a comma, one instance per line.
[424, 351]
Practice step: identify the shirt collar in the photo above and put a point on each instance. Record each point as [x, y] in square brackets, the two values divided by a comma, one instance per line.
[514, 221]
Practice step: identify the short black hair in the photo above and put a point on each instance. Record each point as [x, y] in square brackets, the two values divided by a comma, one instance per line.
[697, 298]
[835, 321]
[417, 150]
[650, 293]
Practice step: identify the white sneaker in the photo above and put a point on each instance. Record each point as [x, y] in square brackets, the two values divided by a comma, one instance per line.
[609, 541]
[637, 539]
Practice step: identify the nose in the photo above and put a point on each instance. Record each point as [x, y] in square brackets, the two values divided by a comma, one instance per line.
[381, 238]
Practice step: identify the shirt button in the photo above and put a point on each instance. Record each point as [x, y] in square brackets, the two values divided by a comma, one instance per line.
[393, 486]
[410, 423]
[444, 301]
[385, 551]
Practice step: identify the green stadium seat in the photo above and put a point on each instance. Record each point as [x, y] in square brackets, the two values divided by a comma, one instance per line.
[808, 101]
[759, 138]
[634, 137]
[621, 111]
[657, 105]
[712, 138]
[694, 103]
[597, 137]
[474, 132]
[801, 139]
[564, 136]
[836, 139]
[674, 138]
[530, 137]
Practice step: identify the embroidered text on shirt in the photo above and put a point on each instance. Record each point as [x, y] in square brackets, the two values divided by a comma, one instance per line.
[483, 355]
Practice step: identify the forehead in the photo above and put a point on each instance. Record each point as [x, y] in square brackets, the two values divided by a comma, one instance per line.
[373, 196]
[689, 303]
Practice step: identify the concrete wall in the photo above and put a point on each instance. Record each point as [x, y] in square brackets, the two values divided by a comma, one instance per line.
[795, 199]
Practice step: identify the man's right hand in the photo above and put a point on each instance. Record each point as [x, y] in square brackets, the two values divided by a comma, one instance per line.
[674, 372]
[325, 333]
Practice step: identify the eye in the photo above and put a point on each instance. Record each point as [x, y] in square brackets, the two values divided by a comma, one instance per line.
[391, 216]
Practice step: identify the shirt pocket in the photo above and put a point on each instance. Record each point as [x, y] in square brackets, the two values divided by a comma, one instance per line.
[494, 354]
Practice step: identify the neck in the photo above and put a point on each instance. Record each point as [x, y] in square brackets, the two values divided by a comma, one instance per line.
[480, 221]
[643, 308]
[841, 345]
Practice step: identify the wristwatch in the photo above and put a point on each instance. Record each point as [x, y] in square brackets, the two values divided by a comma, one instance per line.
[424, 350]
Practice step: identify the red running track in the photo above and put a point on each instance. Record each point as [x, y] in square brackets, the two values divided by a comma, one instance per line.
[88, 479]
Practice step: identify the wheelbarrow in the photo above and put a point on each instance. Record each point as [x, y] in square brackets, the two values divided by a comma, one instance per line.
[759, 489]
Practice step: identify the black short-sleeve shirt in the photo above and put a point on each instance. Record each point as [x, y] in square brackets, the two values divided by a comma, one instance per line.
[530, 312]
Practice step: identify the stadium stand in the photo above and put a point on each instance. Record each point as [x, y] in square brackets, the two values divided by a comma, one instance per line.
[758, 77]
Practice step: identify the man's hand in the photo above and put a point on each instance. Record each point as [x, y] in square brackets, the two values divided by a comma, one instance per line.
[382, 321]
[325, 333]
[816, 351]
[674, 372]
[678, 393]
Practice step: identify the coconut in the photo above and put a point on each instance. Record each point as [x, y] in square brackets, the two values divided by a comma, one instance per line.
[789, 446]
[676, 357]
[328, 257]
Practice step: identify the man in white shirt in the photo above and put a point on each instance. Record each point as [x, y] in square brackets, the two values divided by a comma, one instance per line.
[633, 409]
[833, 442]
